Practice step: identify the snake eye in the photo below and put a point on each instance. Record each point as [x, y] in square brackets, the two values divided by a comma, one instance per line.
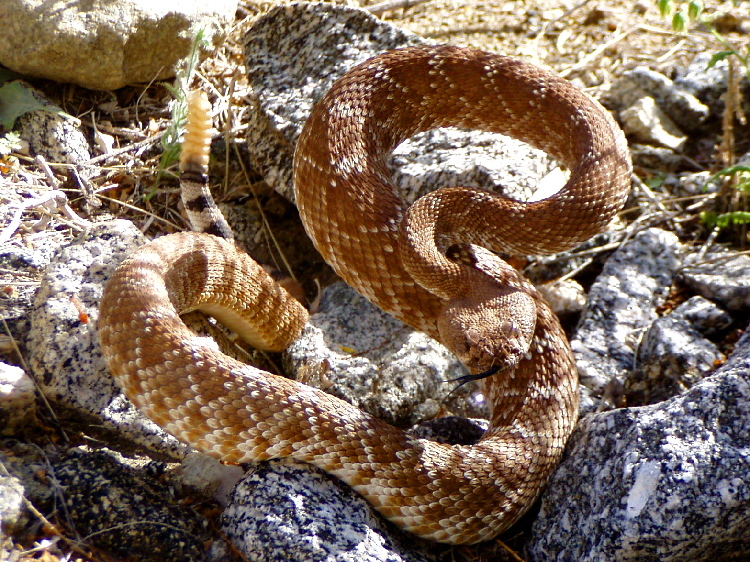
[472, 337]
[510, 329]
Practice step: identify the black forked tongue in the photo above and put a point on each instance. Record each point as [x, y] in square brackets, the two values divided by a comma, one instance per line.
[466, 378]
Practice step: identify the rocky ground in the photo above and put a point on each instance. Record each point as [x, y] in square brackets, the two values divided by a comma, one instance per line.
[656, 471]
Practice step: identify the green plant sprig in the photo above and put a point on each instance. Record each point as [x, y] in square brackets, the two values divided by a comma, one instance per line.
[171, 140]
[738, 176]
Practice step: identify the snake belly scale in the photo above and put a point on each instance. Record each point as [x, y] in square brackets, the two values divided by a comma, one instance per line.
[429, 265]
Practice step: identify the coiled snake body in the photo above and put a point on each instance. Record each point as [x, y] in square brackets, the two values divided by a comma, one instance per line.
[425, 264]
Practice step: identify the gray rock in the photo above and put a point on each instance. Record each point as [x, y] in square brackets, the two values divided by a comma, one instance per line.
[704, 316]
[24, 258]
[723, 277]
[126, 512]
[63, 348]
[708, 84]
[107, 44]
[674, 355]
[56, 137]
[545, 271]
[663, 483]
[24, 485]
[17, 400]
[27, 259]
[680, 105]
[13, 514]
[368, 358]
[654, 110]
[564, 297]
[24, 463]
[209, 477]
[655, 157]
[449, 157]
[293, 55]
[452, 430]
[622, 304]
[283, 511]
[697, 183]
[647, 123]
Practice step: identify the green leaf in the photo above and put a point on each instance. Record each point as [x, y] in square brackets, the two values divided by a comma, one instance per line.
[740, 170]
[737, 169]
[736, 217]
[709, 218]
[694, 9]
[679, 22]
[15, 100]
[720, 56]
[654, 182]
[665, 7]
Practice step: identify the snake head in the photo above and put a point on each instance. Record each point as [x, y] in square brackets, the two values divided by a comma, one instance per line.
[487, 333]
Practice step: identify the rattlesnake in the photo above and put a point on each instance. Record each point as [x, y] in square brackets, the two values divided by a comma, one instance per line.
[426, 265]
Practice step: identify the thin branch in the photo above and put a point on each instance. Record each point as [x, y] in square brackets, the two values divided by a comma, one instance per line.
[390, 5]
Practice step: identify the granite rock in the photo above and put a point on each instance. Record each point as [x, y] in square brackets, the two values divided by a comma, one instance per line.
[53, 135]
[621, 305]
[17, 400]
[126, 512]
[708, 83]
[721, 276]
[368, 358]
[663, 483]
[63, 345]
[283, 511]
[680, 105]
[293, 55]
[674, 353]
[645, 122]
[107, 44]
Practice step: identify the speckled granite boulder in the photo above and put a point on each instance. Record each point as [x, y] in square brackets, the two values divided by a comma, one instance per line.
[662, 483]
[285, 511]
[125, 511]
[106, 44]
[63, 347]
[13, 515]
[621, 302]
[293, 55]
[361, 354]
[722, 276]
[676, 352]
[708, 80]
[680, 105]
[645, 122]
[55, 137]
[17, 400]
